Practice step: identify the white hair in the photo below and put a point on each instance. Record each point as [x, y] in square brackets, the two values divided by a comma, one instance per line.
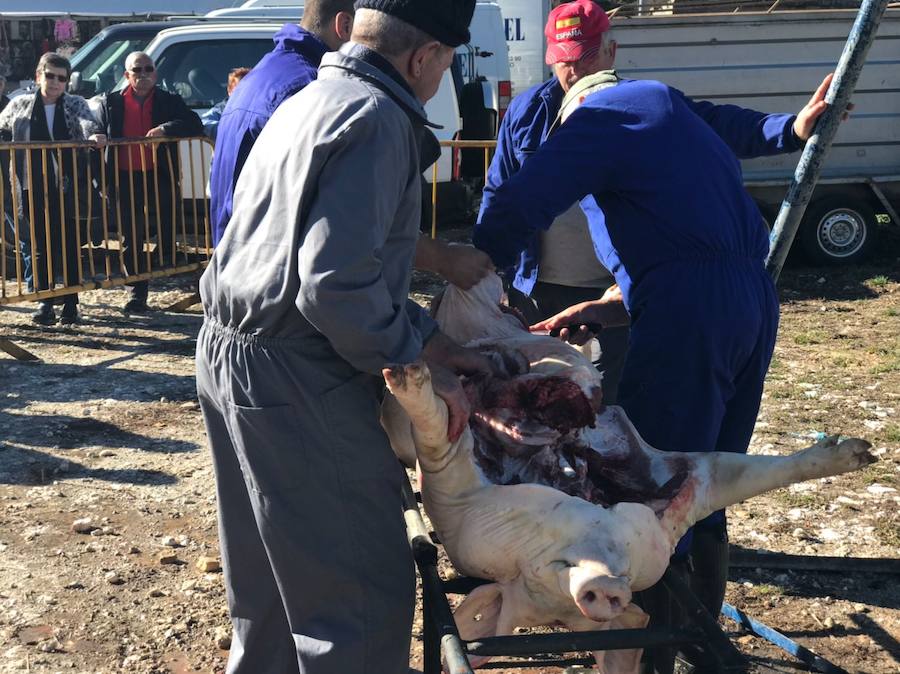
[135, 55]
[386, 34]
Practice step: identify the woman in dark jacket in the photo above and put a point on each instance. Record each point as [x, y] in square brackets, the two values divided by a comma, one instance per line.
[49, 115]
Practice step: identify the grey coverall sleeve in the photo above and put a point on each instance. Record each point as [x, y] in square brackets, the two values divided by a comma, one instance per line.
[350, 242]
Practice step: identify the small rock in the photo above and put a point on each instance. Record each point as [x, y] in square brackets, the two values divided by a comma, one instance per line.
[134, 550]
[190, 405]
[189, 586]
[799, 534]
[83, 526]
[52, 646]
[223, 638]
[879, 489]
[168, 558]
[170, 542]
[156, 593]
[74, 585]
[821, 280]
[829, 623]
[209, 564]
[163, 399]
[106, 453]
[113, 578]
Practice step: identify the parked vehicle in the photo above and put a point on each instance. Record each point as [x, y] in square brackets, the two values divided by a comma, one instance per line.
[194, 61]
[100, 63]
[484, 60]
[765, 61]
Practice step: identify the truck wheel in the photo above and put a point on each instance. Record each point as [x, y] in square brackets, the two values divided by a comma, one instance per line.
[838, 230]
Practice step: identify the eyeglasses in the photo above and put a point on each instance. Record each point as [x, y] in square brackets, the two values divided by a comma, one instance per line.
[53, 76]
[137, 70]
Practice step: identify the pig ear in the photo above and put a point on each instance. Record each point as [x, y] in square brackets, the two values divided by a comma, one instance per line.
[477, 617]
[479, 612]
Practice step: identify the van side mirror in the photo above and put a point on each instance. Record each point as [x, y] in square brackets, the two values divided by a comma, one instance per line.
[74, 82]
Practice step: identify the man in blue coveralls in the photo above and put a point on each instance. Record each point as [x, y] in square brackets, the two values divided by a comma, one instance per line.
[658, 177]
[288, 68]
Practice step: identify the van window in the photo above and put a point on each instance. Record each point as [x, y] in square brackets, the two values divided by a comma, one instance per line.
[100, 71]
[198, 71]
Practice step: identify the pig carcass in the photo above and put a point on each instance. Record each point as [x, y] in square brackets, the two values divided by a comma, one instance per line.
[552, 496]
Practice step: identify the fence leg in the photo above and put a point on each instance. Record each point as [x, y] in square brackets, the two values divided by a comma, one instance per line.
[185, 304]
[16, 351]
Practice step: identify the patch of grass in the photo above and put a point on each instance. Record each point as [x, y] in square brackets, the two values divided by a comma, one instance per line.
[888, 358]
[840, 361]
[880, 281]
[767, 590]
[890, 313]
[888, 530]
[783, 393]
[892, 433]
[891, 365]
[797, 499]
[810, 337]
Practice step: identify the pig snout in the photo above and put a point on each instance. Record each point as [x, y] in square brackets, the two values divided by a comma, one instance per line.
[602, 598]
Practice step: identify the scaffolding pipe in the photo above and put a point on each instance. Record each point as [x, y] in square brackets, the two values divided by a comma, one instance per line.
[861, 37]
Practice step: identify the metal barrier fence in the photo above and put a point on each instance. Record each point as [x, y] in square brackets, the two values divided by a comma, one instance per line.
[77, 217]
[487, 146]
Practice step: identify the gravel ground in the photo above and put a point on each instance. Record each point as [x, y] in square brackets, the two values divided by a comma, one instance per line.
[108, 551]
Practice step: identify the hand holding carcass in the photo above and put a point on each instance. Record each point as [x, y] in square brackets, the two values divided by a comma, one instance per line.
[461, 265]
[447, 360]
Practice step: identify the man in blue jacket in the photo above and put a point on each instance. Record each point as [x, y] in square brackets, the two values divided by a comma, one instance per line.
[658, 177]
[290, 66]
[281, 73]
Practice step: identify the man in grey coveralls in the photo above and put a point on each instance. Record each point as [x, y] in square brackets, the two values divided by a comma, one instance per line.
[305, 301]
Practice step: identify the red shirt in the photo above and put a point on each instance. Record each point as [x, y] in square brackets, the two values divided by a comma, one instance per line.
[138, 121]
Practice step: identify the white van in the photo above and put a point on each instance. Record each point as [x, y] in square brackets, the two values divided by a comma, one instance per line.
[484, 59]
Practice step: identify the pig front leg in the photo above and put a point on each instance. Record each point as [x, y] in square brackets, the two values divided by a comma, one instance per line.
[616, 662]
[450, 465]
[721, 479]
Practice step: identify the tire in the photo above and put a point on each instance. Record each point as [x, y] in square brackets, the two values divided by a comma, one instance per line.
[768, 212]
[838, 230]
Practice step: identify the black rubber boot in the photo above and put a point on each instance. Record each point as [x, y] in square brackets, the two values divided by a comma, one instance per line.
[709, 557]
[138, 302]
[69, 314]
[45, 314]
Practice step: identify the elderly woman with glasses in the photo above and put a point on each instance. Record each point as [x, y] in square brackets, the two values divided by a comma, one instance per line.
[49, 115]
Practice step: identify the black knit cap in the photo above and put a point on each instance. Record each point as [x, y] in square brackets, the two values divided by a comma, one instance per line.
[445, 20]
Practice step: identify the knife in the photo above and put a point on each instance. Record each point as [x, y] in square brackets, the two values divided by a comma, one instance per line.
[573, 327]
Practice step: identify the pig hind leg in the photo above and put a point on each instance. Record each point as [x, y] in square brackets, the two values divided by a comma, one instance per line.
[721, 479]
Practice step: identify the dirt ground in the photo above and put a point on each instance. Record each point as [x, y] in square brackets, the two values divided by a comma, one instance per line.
[105, 436]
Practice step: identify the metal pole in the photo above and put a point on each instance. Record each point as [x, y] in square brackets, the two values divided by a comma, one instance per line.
[815, 662]
[807, 174]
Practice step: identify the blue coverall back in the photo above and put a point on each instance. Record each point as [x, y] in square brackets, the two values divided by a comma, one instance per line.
[670, 218]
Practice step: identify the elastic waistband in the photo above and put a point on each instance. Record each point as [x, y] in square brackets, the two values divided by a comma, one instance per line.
[219, 329]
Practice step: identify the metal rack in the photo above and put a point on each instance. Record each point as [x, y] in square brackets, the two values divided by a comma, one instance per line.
[701, 635]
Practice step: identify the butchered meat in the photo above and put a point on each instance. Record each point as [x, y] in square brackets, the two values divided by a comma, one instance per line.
[554, 497]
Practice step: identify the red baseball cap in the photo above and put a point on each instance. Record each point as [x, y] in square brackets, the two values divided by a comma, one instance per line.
[573, 30]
